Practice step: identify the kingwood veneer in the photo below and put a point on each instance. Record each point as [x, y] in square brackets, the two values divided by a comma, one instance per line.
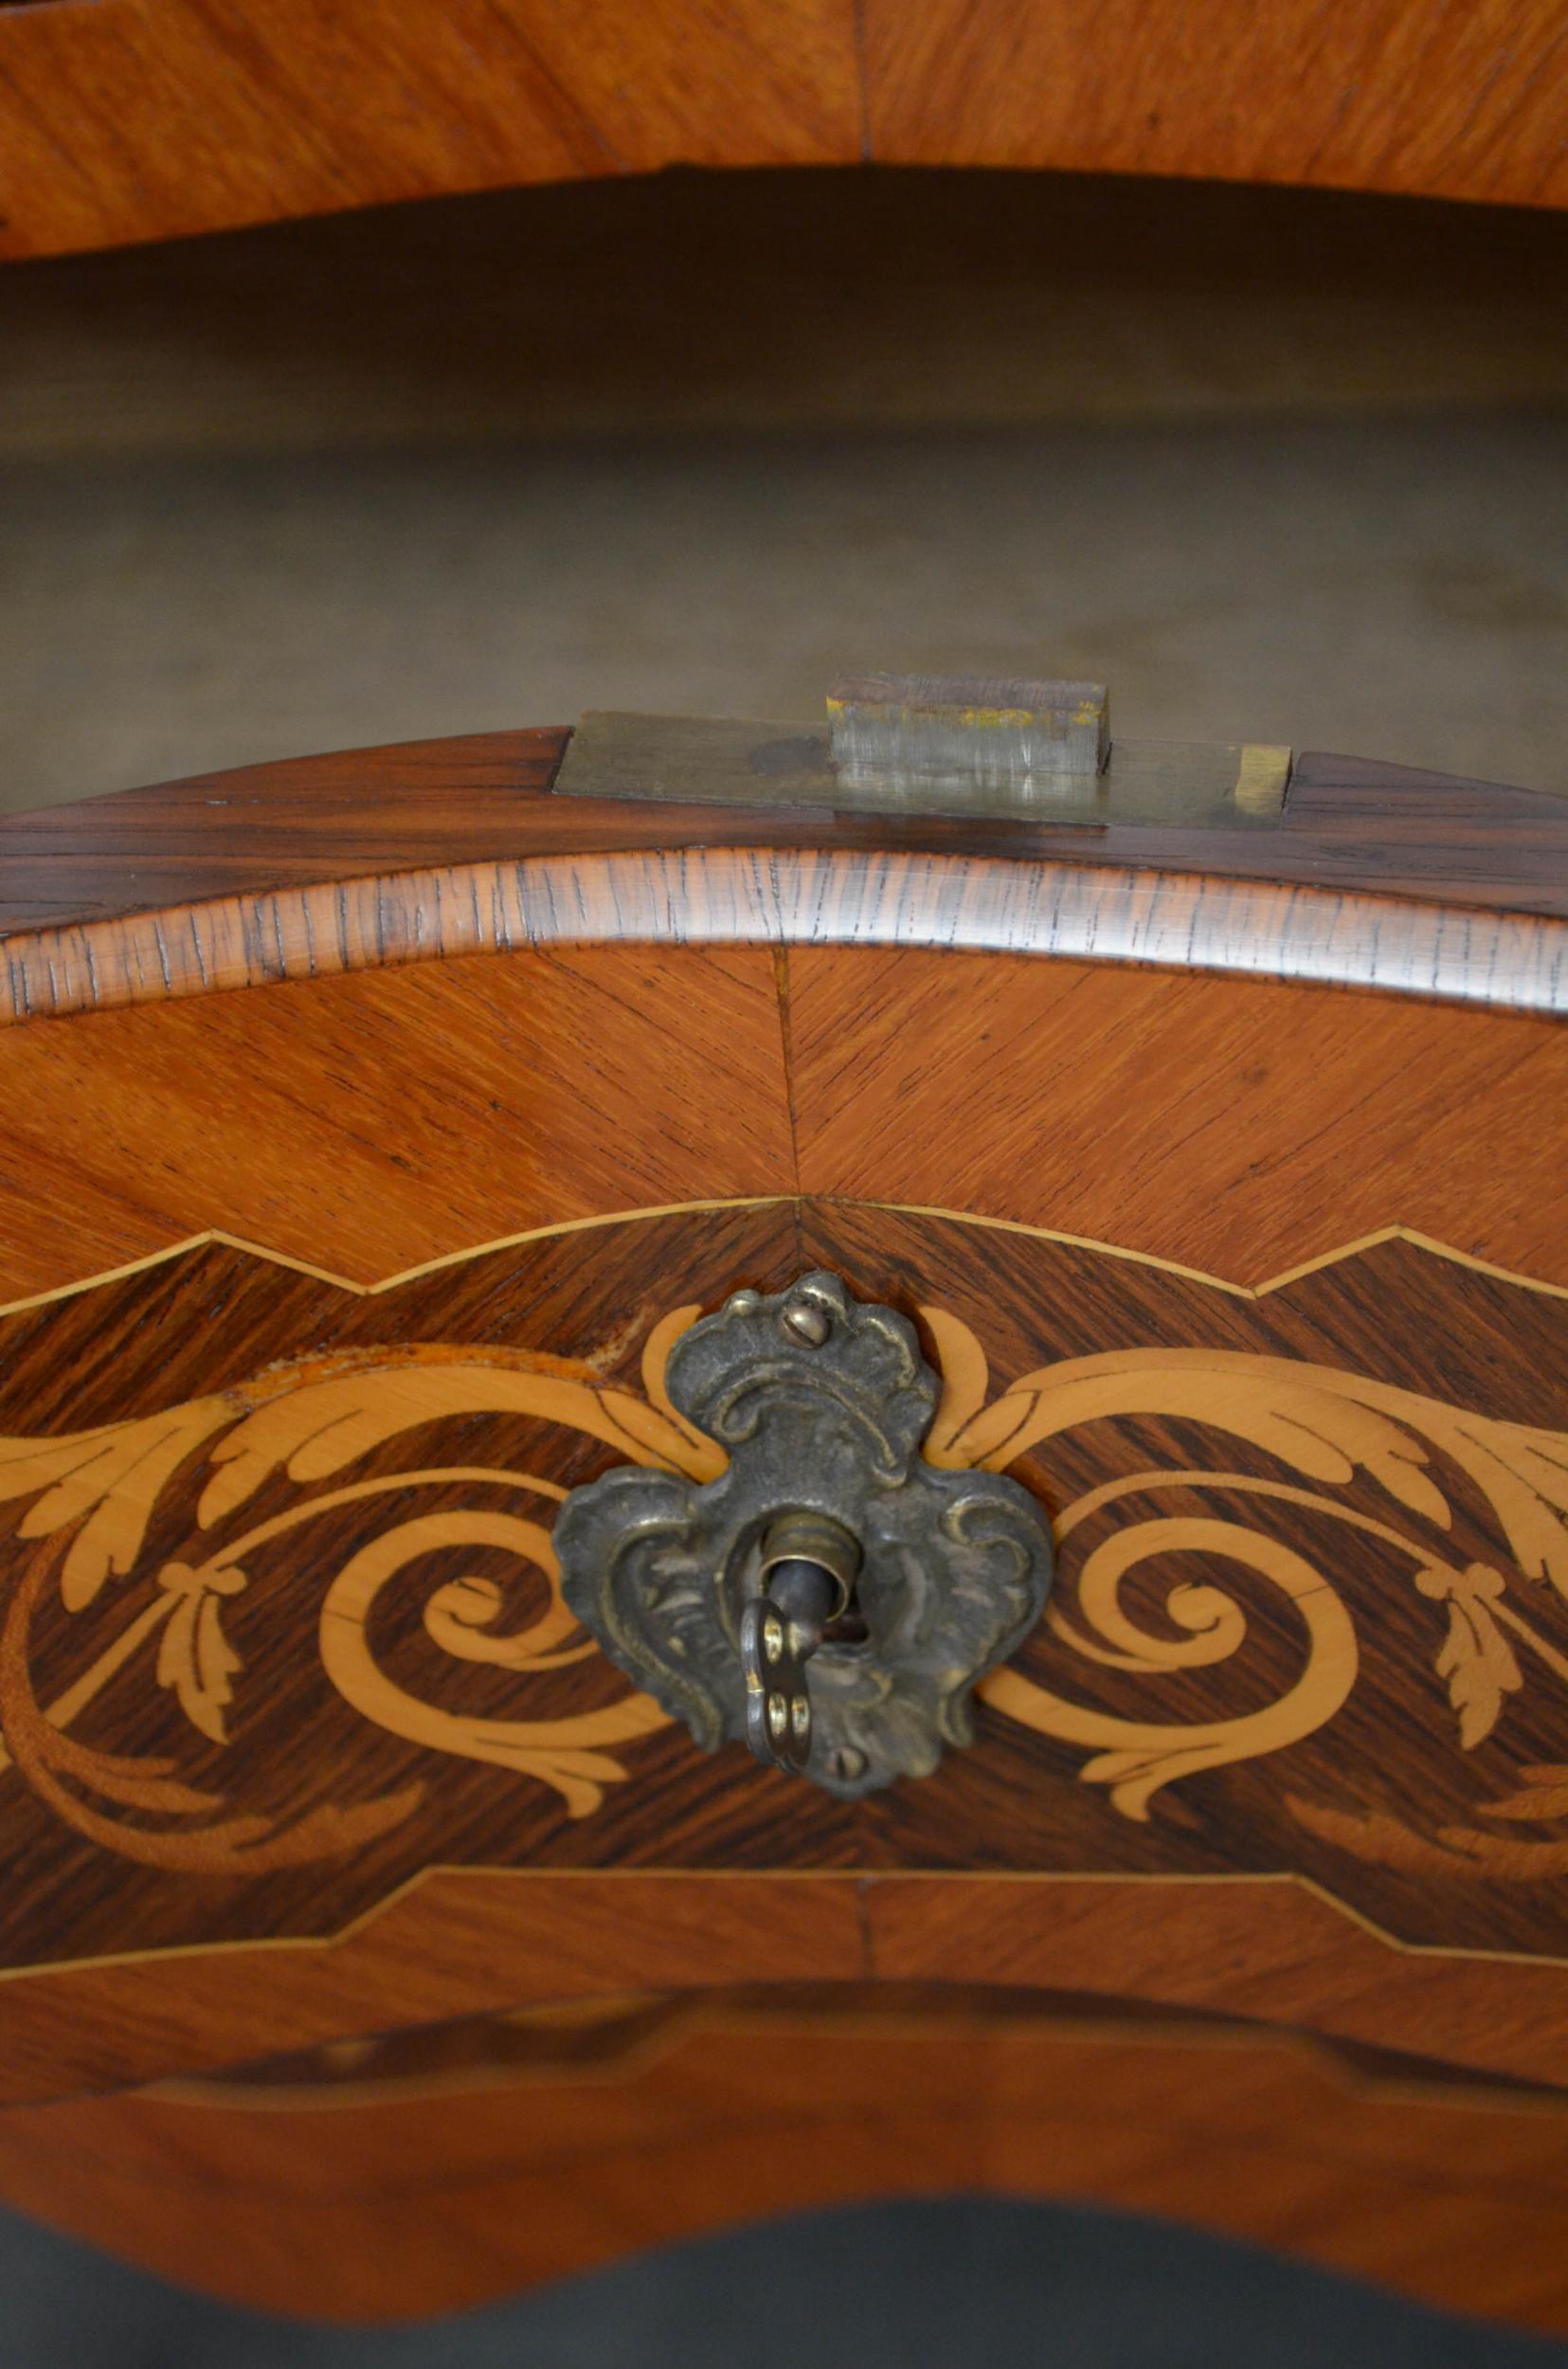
[372, 1126]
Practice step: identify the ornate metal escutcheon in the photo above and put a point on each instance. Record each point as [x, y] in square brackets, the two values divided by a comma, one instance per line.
[828, 1542]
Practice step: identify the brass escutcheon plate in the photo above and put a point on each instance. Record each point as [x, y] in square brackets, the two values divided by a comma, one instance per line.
[821, 1402]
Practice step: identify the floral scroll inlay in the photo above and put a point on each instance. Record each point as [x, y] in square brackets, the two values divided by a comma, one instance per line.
[86, 1503]
[1328, 1426]
[94, 1495]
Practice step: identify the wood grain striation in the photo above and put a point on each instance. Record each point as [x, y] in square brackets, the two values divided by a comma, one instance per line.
[119, 121]
[320, 1294]
[1354, 94]
[328, 2183]
[1415, 883]
[283, 1608]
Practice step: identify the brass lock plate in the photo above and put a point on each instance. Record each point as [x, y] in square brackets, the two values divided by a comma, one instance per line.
[821, 1402]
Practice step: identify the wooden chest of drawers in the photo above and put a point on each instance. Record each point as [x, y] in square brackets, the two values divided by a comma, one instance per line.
[372, 1128]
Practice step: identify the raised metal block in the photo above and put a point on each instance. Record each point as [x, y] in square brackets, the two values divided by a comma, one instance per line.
[692, 760]
[989, 732]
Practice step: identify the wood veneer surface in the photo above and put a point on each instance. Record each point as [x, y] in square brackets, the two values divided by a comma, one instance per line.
[1344, 1849]
[375, 2198]
[1239, 1127]
[1366, 94]
[1311, 1243]
[1242, 1127]
[124, 121]
[1349, 822]
[368, 1122]
[1418, 884]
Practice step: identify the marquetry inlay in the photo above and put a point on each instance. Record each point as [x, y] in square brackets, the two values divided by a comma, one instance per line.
[282, 1608]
